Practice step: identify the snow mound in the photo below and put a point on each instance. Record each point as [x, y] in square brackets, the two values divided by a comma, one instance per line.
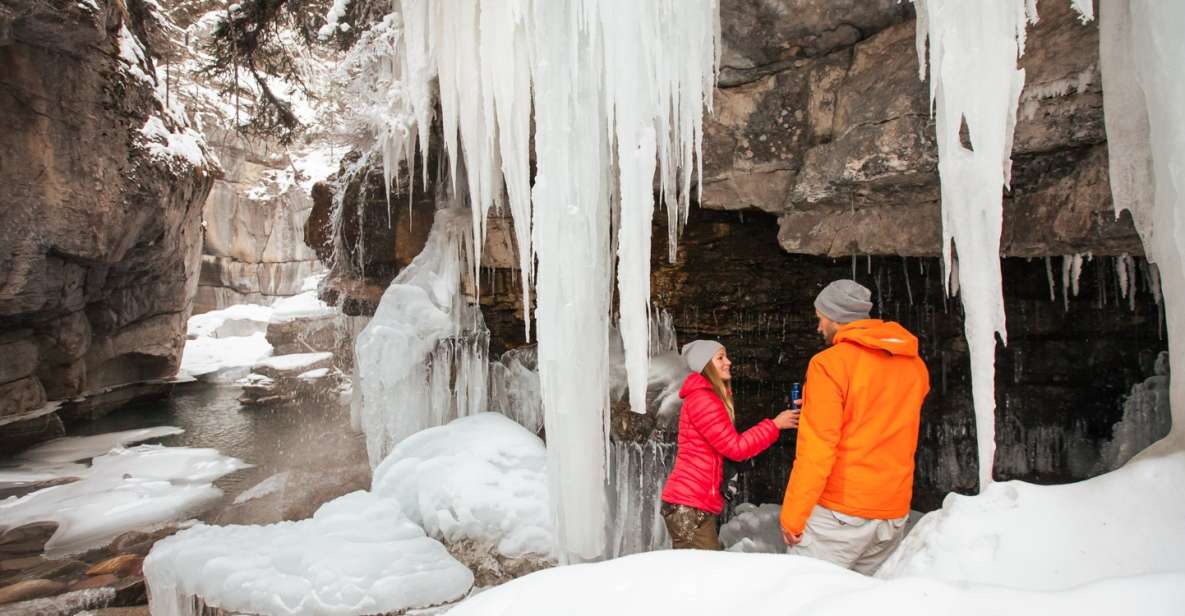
[1124, 523]
[692, 582]
[358, 554]
[125, 489]
[481, 477]
[223, 360]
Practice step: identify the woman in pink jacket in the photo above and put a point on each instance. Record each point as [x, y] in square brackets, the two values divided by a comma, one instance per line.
[707, 434]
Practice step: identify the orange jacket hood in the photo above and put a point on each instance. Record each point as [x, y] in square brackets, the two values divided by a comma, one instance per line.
[877, 334]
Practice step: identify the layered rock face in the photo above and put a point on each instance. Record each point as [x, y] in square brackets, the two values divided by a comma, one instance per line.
[101, 223]
[254, 249]
[821, 120]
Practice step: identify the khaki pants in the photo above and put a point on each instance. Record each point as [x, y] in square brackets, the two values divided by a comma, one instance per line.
[690, 528]
[851, 542]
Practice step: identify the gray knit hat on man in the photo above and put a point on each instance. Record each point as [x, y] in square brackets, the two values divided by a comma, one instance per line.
[698, 353]
[844, 301]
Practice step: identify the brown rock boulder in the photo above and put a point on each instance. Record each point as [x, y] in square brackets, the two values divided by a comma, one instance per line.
[30, 589]
[124, 565]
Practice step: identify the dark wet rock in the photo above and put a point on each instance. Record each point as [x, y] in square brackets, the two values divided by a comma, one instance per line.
[26, 540]
[58, 569]
[28, 488]
[131, 542]
[22, 432]
[30, 589]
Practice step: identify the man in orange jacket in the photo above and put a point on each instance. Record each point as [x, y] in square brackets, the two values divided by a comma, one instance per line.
[849, 491]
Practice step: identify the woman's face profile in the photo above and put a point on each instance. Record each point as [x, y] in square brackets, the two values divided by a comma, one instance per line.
[722, 365]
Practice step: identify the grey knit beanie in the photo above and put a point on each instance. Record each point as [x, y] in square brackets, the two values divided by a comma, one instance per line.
[844, 301]
[698, 353]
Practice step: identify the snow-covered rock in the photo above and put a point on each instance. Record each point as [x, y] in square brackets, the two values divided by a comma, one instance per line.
[480, 477]
[358, 554]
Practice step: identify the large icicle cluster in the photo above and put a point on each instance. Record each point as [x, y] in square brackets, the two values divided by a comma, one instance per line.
[974, 81]
[421, 361]
[617, 91]
[1142, 54]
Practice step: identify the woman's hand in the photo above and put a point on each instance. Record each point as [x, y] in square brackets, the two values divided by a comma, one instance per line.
[786, 420]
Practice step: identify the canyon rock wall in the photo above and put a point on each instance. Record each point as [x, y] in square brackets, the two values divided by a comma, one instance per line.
[101, 220]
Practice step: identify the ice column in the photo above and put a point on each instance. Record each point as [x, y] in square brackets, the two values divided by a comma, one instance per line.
[617, 90]
[422, 359]
[974, 80]
[1143, 56]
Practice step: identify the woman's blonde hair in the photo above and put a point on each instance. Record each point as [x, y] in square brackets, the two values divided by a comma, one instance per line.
[723, 389]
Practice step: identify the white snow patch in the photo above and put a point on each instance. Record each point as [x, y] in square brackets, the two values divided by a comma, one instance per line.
[695, 582]
[237, 320]
[313, 375]
[358, 554]
[183, 144]
[480, 477]
[223, 360]
[305, 305]
[1124, 523]
[293, 361]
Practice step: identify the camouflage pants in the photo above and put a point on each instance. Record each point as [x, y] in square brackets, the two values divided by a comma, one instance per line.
[690, 528]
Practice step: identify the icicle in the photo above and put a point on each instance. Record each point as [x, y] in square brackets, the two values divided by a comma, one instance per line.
[1049, 277]
[905, 272]
[973, 50]
[1142, 56]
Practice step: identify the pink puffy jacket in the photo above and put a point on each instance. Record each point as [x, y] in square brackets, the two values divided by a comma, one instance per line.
[706, 436]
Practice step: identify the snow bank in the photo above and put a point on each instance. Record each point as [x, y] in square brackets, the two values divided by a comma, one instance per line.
[711, 583]
[481, 477]
[125, 489]
[223, 360]
[1124, 523]
[358, 554]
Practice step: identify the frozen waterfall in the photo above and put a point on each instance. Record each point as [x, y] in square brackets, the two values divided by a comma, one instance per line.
[617, 90]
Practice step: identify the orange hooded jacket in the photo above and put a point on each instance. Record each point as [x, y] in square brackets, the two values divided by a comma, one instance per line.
[859, 426]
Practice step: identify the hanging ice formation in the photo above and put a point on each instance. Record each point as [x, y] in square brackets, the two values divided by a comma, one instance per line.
[421, 361]
[974, 80]
[617, 90]
[1142, 57]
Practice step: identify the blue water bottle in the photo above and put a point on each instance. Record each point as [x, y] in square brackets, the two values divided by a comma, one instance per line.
[795, 396]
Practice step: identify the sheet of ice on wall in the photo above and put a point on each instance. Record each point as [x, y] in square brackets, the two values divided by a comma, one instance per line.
[481, 477]
[422, 360]
[125, 489]
[700, 582]
[358, 554]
